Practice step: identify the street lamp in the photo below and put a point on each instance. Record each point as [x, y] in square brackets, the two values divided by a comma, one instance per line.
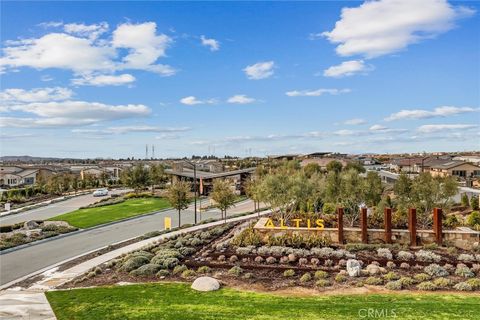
[194, 185]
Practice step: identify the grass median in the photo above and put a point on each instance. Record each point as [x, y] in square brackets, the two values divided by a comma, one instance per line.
[90, 217]
[177, 301]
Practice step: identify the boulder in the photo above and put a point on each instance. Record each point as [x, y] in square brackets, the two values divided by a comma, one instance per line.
[28, 225]
[205, 284]
[373, 269]
[354, 268]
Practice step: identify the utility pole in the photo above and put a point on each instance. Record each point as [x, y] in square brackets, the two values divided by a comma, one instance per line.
[146, 152]
[153, 151]
[194, 186]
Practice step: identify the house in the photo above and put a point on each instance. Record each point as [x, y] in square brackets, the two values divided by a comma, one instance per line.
[15, 176]
[456, 168]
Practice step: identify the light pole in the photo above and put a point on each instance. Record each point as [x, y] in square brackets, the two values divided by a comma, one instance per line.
[194, 185]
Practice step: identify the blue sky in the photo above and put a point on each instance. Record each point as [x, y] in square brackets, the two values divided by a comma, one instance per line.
[102, 79]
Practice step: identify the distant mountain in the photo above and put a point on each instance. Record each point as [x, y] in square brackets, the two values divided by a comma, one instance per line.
[31, 159]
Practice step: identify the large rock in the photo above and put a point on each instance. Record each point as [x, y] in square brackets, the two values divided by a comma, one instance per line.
[30, 225]
[205, 284]
[354, 268]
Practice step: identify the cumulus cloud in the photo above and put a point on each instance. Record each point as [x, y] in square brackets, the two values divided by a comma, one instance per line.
[376, 28]
[316, 93]
[240, 99]
[213, 44]
[103, 80]
[443, 111]
[354, 122]
[192, 100]
[431, 128]
[260, 70]
[347, 68]
[84, 50]
[9, 96]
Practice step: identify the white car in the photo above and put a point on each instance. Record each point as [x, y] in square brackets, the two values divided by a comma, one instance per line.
[100, 192]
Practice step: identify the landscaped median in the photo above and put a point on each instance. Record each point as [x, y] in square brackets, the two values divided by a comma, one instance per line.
[177, 301]
[97, 215]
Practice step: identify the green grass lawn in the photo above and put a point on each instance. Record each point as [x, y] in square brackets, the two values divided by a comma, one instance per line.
[177, 301]
[86, 218]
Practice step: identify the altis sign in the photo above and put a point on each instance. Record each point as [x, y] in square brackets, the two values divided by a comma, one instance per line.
[316, 224]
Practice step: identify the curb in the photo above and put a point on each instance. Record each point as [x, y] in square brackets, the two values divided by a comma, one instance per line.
[34, 243]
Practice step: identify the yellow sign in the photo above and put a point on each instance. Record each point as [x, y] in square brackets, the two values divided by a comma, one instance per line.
[168, 223]
[310, 224]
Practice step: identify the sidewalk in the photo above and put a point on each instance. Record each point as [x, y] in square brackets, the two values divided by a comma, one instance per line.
[32, 304]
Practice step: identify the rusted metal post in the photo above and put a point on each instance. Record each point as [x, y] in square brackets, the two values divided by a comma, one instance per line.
[437, 225]
[387, 217]
[412, 226]
[340, 225]
[363, 224]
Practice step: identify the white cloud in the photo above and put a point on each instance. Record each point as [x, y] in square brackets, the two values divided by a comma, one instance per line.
[377, 127]
[425, 114]
[70, 113]
[240, 99]
[315, 93]
[104, 80]
[347, 68]
[260, 70]
[382, 27]
[345, 132]
[213, 44]
[354, 122]
[145, 128]
[83, 50]
[35, 95]
[191, 101]
[92, 31]
[430, 128]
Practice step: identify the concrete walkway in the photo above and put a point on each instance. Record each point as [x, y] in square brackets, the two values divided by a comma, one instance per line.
[32, 304]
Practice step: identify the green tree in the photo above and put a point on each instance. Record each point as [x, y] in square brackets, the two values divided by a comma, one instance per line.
[352, 194]
[223, 196]
[311, 169]
[137, 178]
[356, 166]
[275, 192]
[465, 200]
[332, 187]
[335, 166]
[178, 196]
[474, 202]
[254, 192]
[157, 175]
[373, 189]
[403, 192]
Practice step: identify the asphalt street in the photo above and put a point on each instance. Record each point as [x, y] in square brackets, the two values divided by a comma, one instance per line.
[16, 264]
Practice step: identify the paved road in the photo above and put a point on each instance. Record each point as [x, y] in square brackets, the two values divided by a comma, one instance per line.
[53, 210]
[22, 262]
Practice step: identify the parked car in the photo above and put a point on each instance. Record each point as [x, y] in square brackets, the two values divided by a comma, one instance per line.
[100, 192]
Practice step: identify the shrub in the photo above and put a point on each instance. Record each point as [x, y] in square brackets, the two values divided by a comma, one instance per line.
[391, 265]
[474, 202]
[245, 250]
[374, 281]
[404, 255]
[221, 258]
[404, 265]
[170, 263]
[329, 208]
[146, 270]
[391, 276]
[248, 275]
[474, 283]
[235, 271]
[466, 257]
[306, 277]
[463, 286]
[322, 252]
[427, 256]
[473, 219]
[162, 273]
[271, 260]
[288, 273]
[451, 221]
[421, 277]
[322, 283]
[134, 263]
[204, 269]
[464, 271]
[97, 270]
[406, 282]
[247, 237]
[179, 269]
[427, 285]
[443, 282]
[435, 270]
[187, 251]
[315, 261]
[394, 285]
[142, 253]
[320, 274]
[430, 246]
[384, 253]
[188, 273]
[340, 278]
[452, 250]
[259, 259]
[302, 261]
[233, 259]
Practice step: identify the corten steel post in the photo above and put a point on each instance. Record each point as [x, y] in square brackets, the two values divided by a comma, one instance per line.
[340, 225]
[437, 225]
[387, 217]
[363, 222]
[412, 226]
